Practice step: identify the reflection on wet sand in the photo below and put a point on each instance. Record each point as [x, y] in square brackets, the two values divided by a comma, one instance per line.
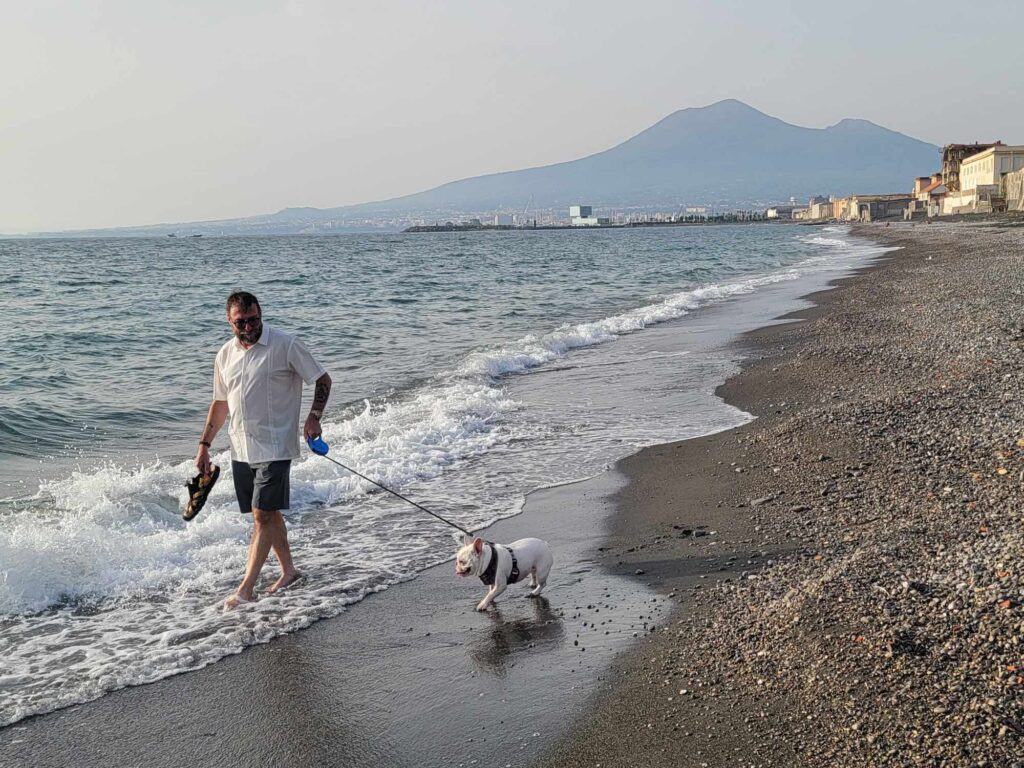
[492, 650]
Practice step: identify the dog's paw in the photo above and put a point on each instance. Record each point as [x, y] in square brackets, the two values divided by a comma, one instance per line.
[482, 607]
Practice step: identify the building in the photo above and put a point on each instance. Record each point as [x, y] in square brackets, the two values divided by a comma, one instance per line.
[1012, 190]
[877, 207]
[980, 178]
[987, 168]
[841, 208]
[583, 216]
[929, 191]
[952, 156]
[503, 220]
[820, 210]
[818, 207]
[780, 212]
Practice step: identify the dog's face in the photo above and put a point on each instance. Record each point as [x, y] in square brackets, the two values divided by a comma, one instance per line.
[468, 559]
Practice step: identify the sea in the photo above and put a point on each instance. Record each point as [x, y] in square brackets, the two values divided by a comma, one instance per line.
[469, 369]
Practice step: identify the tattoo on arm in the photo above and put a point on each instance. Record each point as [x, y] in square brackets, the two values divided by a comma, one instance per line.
[321, 393]
[214, 420]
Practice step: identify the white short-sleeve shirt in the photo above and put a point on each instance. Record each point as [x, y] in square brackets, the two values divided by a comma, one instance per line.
[263, 389]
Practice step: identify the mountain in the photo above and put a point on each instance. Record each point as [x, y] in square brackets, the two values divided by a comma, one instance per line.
[727, 153]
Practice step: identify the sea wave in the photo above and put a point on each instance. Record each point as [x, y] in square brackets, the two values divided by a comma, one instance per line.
[532, 351]
[115, 532]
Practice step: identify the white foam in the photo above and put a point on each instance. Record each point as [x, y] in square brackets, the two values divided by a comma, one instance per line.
[533, 351]
[830, 241]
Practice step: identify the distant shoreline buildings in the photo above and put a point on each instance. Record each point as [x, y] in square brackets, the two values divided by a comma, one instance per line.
[973, 179]
[978, 178]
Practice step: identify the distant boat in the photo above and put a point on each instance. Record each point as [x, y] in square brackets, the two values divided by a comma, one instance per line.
[196, 235]
[172, 235]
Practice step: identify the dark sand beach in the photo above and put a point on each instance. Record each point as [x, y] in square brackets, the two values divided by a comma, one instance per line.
[875, 507]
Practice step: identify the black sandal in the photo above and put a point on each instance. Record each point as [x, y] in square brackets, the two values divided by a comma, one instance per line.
[199, 488]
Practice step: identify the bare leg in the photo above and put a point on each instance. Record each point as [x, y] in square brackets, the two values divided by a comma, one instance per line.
[269, 532]
[283, 552]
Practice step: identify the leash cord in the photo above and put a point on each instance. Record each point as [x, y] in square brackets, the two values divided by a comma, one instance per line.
[396, 493]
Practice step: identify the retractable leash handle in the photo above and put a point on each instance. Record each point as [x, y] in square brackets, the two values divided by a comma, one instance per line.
[317, 445]
[320, 448]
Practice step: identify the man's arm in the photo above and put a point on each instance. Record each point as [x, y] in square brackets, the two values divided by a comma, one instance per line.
[321, 392]
[215, 419]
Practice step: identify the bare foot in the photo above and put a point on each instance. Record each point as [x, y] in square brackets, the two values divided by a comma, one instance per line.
[236, 600]
[286, 580]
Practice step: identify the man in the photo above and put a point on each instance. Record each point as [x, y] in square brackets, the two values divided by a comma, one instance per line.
[257, 384]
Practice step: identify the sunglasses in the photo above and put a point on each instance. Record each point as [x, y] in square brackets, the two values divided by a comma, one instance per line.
[247, 321]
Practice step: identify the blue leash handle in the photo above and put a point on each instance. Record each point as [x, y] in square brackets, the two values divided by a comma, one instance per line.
[317, 445]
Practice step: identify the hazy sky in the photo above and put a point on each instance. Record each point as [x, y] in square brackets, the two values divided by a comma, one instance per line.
[120, 113]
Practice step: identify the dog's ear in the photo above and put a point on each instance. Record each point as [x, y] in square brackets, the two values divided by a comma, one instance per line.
[478, 545]
[466, 539]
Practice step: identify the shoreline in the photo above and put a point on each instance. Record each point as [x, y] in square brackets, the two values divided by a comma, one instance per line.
[854, 633]
[438, 605]
[674, 526]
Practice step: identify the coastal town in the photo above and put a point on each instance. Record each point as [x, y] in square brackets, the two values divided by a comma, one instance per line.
[978, 178]
[973, 179]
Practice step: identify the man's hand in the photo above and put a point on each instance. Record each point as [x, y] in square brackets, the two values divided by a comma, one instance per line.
[312, 429]
[203, 460]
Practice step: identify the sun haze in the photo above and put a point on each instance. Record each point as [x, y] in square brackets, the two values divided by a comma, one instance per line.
[118, 113]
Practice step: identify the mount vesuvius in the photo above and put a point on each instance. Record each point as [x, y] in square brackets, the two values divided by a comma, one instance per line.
[726, 151]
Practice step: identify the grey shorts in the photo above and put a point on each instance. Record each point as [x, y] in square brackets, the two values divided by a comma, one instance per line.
[263, 485]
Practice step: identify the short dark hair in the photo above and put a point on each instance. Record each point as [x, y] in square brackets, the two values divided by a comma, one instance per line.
[243, 300]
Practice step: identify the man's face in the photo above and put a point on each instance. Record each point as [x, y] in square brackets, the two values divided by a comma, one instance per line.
[247, 323]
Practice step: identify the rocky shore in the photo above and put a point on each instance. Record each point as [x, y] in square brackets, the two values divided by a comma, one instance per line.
[866, 531]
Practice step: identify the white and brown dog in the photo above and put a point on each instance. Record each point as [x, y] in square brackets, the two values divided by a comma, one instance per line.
[498, 565]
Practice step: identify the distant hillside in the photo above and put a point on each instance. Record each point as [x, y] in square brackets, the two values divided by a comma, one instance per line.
[727, 153]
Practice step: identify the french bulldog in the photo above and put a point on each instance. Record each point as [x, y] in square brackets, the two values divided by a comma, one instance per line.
[499, 565]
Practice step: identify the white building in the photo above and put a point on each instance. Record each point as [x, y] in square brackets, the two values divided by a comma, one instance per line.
[780, 212]
[988, 167]
[980, 177]
[583, 216]
[503, 219]
[820, 210]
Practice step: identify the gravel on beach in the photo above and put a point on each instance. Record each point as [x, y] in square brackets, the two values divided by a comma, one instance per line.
[848, 567]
